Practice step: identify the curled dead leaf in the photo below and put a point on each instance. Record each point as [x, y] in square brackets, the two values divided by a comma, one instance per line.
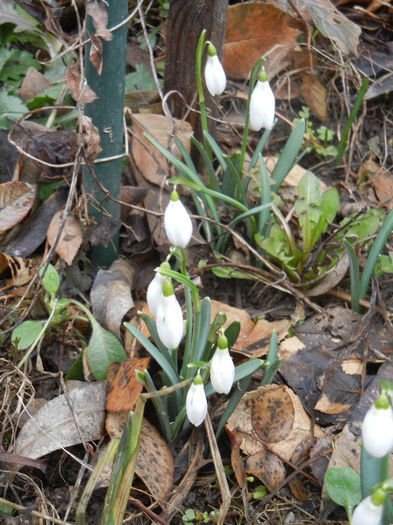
[111, 295]
[16, 200]
[80, 93]
[95, 55]
[99, 15]
[70, 238]
[91, 138]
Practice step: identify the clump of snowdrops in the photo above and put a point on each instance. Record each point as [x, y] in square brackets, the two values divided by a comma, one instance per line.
[192, 351]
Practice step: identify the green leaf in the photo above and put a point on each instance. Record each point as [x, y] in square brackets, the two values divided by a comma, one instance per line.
[288, 155]
[51, 280]
[384, 264]
[259, 492]
[361, 228]
[103, 349]
[11, 109]
[140, 79]
[309, 191]
[166, 366]
[330, 204]
[26, 333]
[76, 369]
[343, 486]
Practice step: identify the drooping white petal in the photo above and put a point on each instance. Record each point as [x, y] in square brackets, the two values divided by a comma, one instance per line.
[377, 431]
[169, 322]
[196, 404]
[215, 77]
[177, 224]
[366, 513]
[222, 371]
[262, 106]
[154, 293]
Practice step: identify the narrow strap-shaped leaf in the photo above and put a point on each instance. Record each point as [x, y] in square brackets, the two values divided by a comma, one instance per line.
[155, 353]
[160, 406]
[259, 148]
[288, 155]
[265, 196]
[354, 273]
[237, 394]
[204, 328]
[214, 184]
[374, 253]
[272, 361]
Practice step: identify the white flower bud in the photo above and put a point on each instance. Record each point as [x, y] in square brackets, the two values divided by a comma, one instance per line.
[214, 75]
[262, 106]
[222, 371]
[177, 222]
[377, 431]
[154, 293]
[169, 321]
[196, 402]
[367, 513]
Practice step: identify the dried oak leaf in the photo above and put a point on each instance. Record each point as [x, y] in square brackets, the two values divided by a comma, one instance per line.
[83, 94]
[100, 19]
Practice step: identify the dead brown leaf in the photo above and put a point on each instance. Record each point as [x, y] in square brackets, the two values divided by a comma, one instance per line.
[253, 29]
[33, 83]
[273, 414]
[286, 440]
[124, 388]
[70, 238]
[154, 464]
[149, 161]
[16, 201]
[95, 55]
[267, 467]
[100, 19]
[83, 94]
[91, 137]
[111, 295]
[314, 95]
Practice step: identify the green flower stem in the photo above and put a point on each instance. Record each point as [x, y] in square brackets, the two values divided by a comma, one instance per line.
[202, 103]
[254, 72]
[37, 339]
[187, 282]
[207, 191]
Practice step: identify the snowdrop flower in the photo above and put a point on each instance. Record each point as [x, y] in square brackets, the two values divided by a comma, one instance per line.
[369, 511]
[222, 369]
[169, 317]
[154, 293]
[177, 222]
[214, 72]
[262, 104]
[377, 428]
[196, 403]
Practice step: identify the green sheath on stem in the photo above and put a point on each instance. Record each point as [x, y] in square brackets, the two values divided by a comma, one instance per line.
[107, 115]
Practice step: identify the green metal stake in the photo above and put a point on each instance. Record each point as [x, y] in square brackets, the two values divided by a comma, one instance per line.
[107, 115]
